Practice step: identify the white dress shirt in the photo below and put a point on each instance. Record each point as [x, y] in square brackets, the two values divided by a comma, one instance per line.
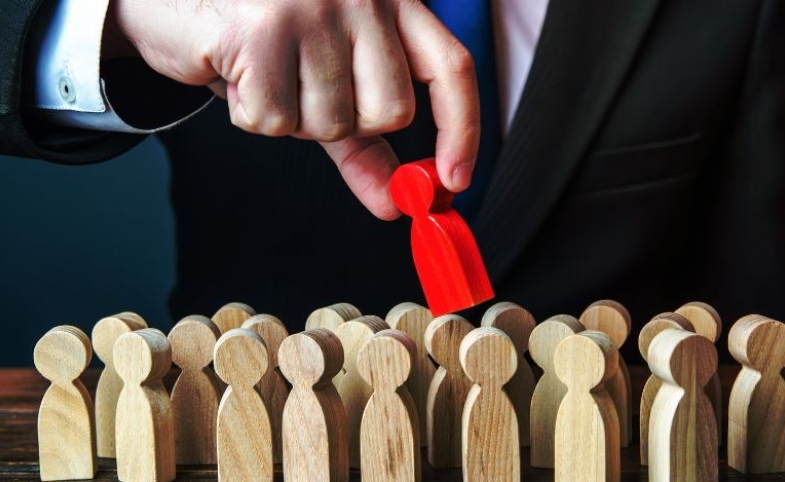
[66, 53]
[517, 25]
[68, 84]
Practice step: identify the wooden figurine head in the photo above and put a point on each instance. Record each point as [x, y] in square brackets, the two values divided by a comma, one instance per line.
[193, 341]
[310, 357]
[546, 337]
[62, 354]
[241, 358]
[682, 358]
[758, 342]
[657, 325]
[586, 360]
[385, 361]
[488, 357]
[142, 355]
[609, 317]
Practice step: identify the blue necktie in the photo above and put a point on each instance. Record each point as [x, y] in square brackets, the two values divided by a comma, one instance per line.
[472, 23]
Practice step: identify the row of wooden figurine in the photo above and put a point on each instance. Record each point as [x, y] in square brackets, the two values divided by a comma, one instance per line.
[513, 319]
[195, 398]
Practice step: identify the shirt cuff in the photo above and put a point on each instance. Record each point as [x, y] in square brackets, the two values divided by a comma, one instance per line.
[69, 87]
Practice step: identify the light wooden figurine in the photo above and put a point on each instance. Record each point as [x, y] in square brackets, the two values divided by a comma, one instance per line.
[549, 391]
[105, 333]
[66, 428]
[517, 323]
[448, 390]
[389, 435]
[653, 328]
[315, 445]
[413, 320]
[708, 324]
[613, 319]
[489, 427]
[353, 390]
[245, 441]
[273, 386]
[197, 391]
[587, 425]
[756, 412]
[232, 315]
[682, 427]
[331, 317]
[145, 425]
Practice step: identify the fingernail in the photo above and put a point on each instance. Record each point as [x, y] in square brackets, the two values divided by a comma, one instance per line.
[461, 176]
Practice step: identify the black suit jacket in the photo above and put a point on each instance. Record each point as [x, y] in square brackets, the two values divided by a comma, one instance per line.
[645, 163]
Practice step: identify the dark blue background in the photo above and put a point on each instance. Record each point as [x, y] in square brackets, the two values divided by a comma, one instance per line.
[80, 243]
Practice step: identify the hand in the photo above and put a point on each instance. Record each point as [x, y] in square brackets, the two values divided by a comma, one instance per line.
[336, 71]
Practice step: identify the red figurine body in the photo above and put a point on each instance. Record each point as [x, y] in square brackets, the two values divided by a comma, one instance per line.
[448, 262]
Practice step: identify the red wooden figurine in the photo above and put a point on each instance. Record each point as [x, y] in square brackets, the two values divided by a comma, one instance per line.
[448, 262]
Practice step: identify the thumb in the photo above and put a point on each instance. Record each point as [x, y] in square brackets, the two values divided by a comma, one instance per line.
[367, 165]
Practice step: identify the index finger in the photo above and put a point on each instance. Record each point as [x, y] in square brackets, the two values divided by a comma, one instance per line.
[438, 59]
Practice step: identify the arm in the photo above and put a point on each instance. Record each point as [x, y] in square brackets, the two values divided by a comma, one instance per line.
[25, 137]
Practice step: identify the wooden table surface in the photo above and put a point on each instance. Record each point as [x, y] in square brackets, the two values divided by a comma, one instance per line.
[21, 391]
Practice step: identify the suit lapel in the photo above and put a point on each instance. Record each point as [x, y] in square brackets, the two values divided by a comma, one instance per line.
[585, 50]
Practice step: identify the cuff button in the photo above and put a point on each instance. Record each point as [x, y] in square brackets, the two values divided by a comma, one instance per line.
[67, 90]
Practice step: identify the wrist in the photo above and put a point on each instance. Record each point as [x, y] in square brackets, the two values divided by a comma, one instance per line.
[114, 43]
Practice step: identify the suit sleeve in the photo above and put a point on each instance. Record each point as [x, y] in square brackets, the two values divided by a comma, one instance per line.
[21, 135]
[139, 96]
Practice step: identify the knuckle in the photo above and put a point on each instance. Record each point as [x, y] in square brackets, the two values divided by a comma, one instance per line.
[329, 120]
[241, 119]
[459, 59]
[388, 116]
[400, 113]
[274, 123]
[333, 131]
[277, 123]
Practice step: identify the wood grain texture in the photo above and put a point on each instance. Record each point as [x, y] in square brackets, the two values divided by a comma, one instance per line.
[682, 427]
[587, 438]
[315, 446]
[273, 386]
[704, 318]
[389, 434]
[413, 320]
[145, 424]
[448, 390]
[244, 433]
[104, 335]
[21, 390]
[448, 262]
[756, 411]
[613, 319]
[134, 317]
[653, 328]
[489, 428]
[707, 323]
[353, 390]
[232, 315]
[66, 427]
[197, 391]
[549, 391]
[331, 317]
[517, 323]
